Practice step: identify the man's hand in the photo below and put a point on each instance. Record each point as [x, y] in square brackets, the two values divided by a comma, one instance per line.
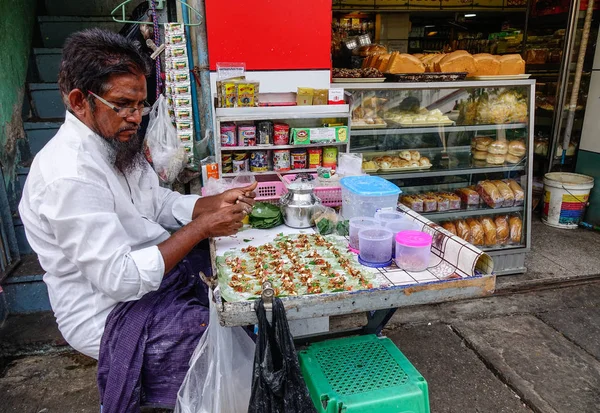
[234, 196]
[224, 221]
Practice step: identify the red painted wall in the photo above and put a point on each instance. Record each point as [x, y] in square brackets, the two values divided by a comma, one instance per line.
[270, 34]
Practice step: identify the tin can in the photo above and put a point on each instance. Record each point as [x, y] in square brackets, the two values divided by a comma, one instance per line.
[259, 161]
[228, 134]
[240, 166]
[264, 132]
[281, 134]
[298, 157]
[247, 135]
[281, 160]
[240, 156]
[226, 162]
[330, 154]
[315, 156]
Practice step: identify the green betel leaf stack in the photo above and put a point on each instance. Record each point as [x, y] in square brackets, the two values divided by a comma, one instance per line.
[265, 216]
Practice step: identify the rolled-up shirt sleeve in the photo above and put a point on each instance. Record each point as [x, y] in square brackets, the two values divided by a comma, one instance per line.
[81, 215]
[174, 209]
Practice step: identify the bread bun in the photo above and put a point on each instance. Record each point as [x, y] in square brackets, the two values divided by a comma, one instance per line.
[405, 155]
[404, 63]
[424, 161]
[458, 61]
[480, 155]
[485, 65]
[477, 233]
[516, 148]
[513, 159]
[511, 64]
[483, 143]
[495, 159]
[415, 155]
[450, 227]
[498, 148]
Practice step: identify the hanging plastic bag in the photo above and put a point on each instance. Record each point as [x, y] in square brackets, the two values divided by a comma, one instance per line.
[166, 153]
[220, 373]
[277, 384]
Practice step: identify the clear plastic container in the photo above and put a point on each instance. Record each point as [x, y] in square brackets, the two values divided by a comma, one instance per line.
[364, 195]
[386, 217]
[396, 226]
[413, 250]
[358, 223]
[375, 247]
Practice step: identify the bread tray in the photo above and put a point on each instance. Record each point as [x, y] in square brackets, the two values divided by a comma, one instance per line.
[405, 169]
[501, 77]
[358, 80]
[367, 126]
[371, 170]
[426, 124]
[426, 77]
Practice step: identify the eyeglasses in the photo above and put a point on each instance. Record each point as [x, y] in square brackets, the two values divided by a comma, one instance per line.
[144, 108]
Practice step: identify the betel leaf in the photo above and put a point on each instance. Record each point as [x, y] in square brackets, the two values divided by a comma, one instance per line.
[265, 210]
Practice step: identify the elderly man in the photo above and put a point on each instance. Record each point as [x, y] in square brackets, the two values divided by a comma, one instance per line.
[118, 249]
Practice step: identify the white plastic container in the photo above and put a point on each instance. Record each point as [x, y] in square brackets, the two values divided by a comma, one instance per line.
[413, 250]
[375, 247]
[357, 224]
[406, 224]
[386, 217]
[364, 195]
[565, 199]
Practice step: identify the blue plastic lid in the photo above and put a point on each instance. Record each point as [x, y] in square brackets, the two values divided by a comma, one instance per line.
[367, 185]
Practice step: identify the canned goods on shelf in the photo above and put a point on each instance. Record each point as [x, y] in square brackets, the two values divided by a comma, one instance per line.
[315, 157]
[240, 156]
[281, 134]
[228, 134]
[298, 158]
[264, 132]
[259, 161]
[246, 135]
[330, 154]
[281, 160]
[240, 166]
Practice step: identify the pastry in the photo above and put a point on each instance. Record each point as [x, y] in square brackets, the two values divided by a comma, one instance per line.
[502, 231]
[405, 155]
[480, 155]
[506, 192]
[458, 61]
[516, 229]
[463, 230]
[517, 190]
[513, 159]
[453, 200]
[511, 64]
[516, 148]
[469, 197]
[495, 159]
[443, 204]
[489, 229]
[429, 202]
[424, 161]
[483, 142]
[450, 227]
[498, 148]
[404, 63]
[486, 65]
[477, 234]
[404, 163]
[414, 202]
[490, 194]
[387, 159]
[415, 155]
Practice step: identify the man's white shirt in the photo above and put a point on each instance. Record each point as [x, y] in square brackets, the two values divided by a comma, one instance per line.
[95, 231]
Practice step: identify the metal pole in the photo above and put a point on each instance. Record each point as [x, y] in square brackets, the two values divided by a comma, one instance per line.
[563, 80]
[526, 29]
[575, 93]
[205, 106]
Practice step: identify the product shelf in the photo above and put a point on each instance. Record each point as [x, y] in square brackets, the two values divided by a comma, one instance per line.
[281, 112]
[275, 147]
[437, 129]
[459, 213]
[291, 171]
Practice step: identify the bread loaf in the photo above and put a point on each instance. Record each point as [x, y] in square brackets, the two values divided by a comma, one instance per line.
[414, 202]
[502, 231]
[463, 230]
[511, 64]
[383, 60]
[459, 61]
[404, 63]
[489, 228]
[490, 194]
[450, 227]
[486, 65]
[517, 190]
[506, 192]
[477, 233]
[469, 197]
[516, 229]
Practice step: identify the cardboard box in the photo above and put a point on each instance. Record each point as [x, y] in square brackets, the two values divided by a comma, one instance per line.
[304, 97]
[305, 136]
[336, 96]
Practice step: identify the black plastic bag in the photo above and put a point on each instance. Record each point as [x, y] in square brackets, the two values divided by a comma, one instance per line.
[277, 383]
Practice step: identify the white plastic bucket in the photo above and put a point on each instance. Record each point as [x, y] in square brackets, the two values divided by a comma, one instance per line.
[565, 198]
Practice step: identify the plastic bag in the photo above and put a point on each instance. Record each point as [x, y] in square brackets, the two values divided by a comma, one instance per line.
[325, 220]
[277, 384]
[220, 373]
[350, 164]
[167, 154]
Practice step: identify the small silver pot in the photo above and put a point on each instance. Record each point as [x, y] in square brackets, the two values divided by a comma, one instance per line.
[298, 206]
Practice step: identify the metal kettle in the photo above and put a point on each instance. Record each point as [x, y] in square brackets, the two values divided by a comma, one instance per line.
[298, 206]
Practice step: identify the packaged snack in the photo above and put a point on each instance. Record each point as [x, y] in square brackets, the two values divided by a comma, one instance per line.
[453, 200]
[178, 63]
[182, 101]
[506, 192]
[468, 197]
[320, 97]
[477, 232]
[281, 160]
[228, 134]
[517, 191]
[246, 135]
[429, 203]
[442, 203]
[463, 230]
[490, 194]
[489, 229]
[176, 51]
[516, 229]
[174, 28]
[246, 94]
[178, 76]
[259, 161]
[264, 132]
[281, 134]
[183, 113]
[184, 125]
[185, 136]
[175, 38]
[182, 88]
[502, 229]
[414, 202]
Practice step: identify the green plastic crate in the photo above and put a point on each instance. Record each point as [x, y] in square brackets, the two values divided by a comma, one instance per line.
[362, 374]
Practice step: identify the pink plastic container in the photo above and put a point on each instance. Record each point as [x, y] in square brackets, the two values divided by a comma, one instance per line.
[269, 192]
[413, 250]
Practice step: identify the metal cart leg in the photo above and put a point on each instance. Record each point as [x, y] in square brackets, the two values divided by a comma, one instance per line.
[377, 321]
